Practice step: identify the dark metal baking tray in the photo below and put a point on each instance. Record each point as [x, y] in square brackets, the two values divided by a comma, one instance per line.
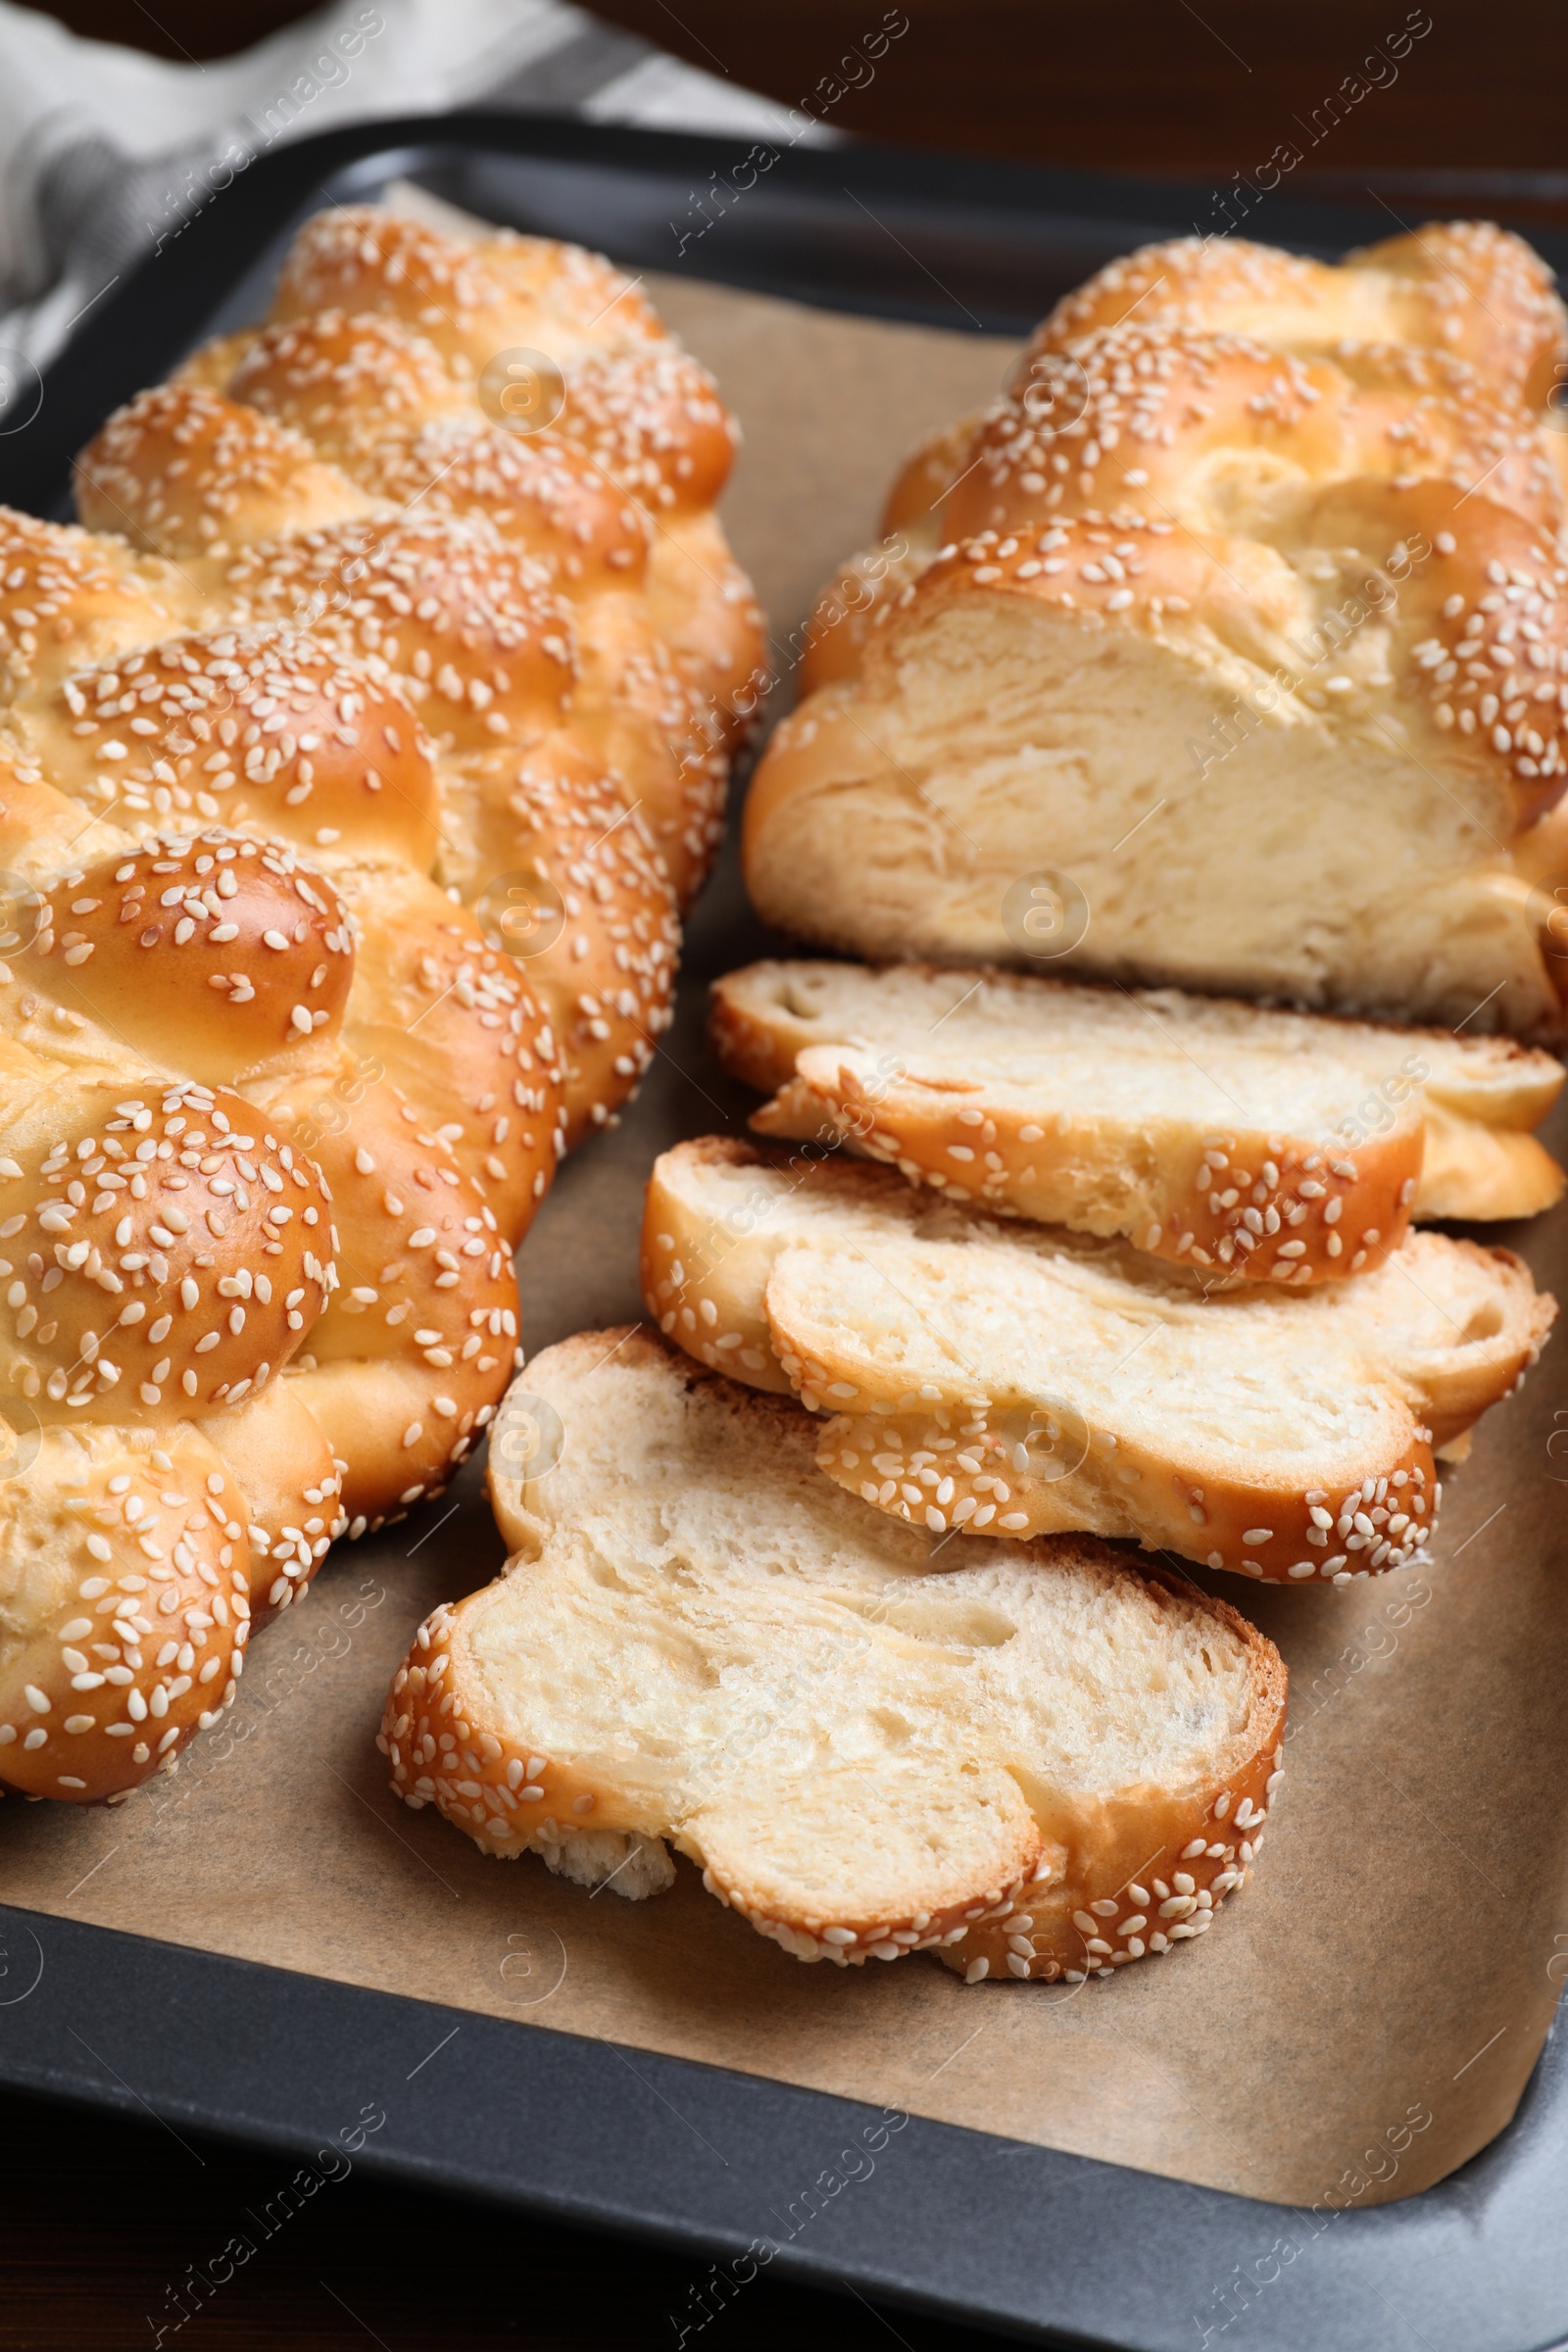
[1056, 2248]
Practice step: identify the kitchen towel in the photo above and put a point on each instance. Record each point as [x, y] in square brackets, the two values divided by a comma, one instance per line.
[105, 151]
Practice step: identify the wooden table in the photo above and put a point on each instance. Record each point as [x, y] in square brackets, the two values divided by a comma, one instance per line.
[1190, 87]
[1174, 86]
[100, 2219]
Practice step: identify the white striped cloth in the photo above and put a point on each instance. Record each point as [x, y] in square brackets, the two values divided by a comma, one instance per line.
[103, 151]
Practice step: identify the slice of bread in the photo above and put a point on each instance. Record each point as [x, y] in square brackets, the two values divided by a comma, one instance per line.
[1102, 1107]
[1036, 1760]
[1022, 1379]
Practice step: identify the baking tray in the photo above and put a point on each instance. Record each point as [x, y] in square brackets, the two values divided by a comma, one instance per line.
[1058, 2248]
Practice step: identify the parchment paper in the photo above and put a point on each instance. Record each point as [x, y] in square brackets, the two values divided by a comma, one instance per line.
[1363, 2015]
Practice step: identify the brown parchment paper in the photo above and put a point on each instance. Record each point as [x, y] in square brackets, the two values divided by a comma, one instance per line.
[1363, 2015]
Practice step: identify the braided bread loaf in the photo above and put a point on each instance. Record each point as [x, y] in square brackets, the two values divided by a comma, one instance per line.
[1255, 632]
[345, 815]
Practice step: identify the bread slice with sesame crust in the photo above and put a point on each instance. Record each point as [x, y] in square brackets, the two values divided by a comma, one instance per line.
[1133, 1110]
[1022, 1379]
[1035, 1760]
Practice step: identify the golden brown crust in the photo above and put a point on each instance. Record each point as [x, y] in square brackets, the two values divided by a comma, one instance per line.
[182, 471]
[382, 381]
[970, 1465]
[265, 729]
[1465, 288]
[268, 938]
[167, 1267]
[639, 716]
[465, 624]
[581, 292]
[426, 1033]
[1271, 1207]
[645, 413]
[1258, 1529]
[642, 429]
[1483, 293]
[69, 599]
[1176, 414]
[454, 1027]
[537, 490]
[702, 604]
[209, 368]
[471, 300]
[650, 419]
[583, 897]
[276, 1453]
[1138, 417]
[1477, 1172]
[359, 259]
[344, 380]
[425, 1306]
[919, 489]
[157, 1190]
[156, 1245]
[135, 1639]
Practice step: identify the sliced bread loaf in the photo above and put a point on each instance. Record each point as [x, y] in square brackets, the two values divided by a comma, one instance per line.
[1133, 1110]
[1035, 1760]
[1022, 1379]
